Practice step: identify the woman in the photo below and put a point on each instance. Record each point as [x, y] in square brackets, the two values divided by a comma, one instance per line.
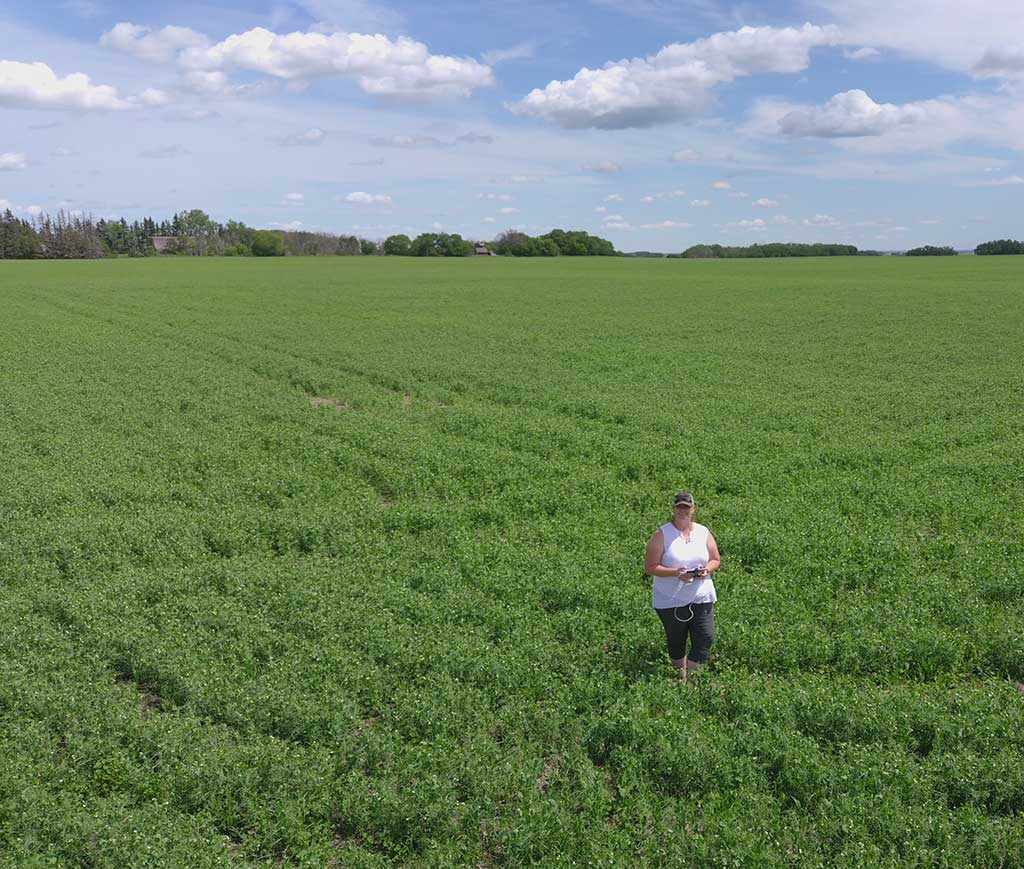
[681, 556]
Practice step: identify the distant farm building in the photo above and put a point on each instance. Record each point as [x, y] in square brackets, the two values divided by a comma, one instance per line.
[481, 249]
[164, 243]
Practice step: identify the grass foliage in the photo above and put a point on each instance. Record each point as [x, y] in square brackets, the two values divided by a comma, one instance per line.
[339, 563]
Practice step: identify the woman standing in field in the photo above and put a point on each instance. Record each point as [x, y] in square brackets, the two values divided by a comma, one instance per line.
[681, 556]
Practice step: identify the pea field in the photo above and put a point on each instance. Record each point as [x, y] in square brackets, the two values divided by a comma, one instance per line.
[339, 562]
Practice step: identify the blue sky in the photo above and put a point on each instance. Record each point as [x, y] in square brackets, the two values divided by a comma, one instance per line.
[655, 123]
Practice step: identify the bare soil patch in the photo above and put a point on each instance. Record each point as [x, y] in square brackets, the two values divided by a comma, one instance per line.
[149, 703]
[327, 401]
[550, 768]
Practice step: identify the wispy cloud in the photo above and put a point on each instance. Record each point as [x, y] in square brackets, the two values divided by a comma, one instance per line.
[360, 197]
[83, 8]
[1009, 180]
[371, 15]
[472, 138]
[666, 224]
[407, 142]
[755, 225]
[665, 194]
[604, 167]
[164, 152]
[12, 161]
[520, 51]
[822, 220]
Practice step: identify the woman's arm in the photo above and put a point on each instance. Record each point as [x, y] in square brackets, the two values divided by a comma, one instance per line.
[714, 558]
[652, 559]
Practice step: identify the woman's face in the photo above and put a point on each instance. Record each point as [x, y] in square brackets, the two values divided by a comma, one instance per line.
[683, 511]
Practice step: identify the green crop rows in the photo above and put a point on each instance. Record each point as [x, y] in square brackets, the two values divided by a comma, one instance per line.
[339, 563]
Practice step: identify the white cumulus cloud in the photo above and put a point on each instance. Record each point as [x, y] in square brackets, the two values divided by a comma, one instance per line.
[722, 185]
[676, 83]
[666, 224]
[700, 203]
[313, 136]
[853, 113]
[383, 67]
[153, 97]
[37, 86]
[766, 203]
[822, 220]
[686, 155]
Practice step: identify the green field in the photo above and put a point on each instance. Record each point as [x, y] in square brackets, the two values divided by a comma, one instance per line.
[338, 562]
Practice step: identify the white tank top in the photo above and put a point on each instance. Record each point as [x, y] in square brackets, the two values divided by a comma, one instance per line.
[669, 591]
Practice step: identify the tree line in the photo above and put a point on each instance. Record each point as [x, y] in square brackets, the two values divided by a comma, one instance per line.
[193, 233]
[558, 242]
[1001, 247]
[70, 235]
[930, 250]
[773, 249]
[188, 233]
[1004, 246]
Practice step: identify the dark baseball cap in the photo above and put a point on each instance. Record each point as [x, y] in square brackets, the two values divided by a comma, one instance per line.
[682, 498]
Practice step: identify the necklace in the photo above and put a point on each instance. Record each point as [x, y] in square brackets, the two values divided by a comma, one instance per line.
[685, 533]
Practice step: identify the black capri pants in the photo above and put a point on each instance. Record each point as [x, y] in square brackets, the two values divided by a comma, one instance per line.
[696, 621]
